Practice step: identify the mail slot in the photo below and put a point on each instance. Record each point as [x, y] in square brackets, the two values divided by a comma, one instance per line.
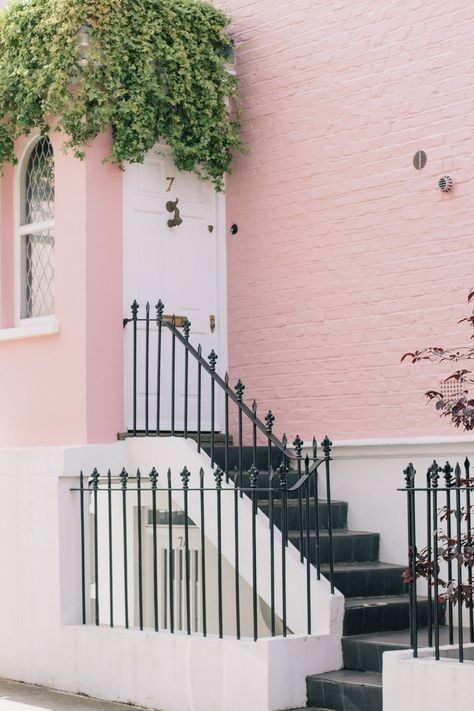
[178, 320]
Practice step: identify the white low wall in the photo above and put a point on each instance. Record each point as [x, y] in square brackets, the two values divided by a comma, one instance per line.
[43, 642]
[424, 684]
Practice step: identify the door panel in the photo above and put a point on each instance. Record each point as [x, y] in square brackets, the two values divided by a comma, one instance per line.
[177, 265]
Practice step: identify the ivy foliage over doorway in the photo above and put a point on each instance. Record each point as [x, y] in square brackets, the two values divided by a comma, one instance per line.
[153, 70]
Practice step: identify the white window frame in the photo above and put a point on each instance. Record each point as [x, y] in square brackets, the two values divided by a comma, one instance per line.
[22, 229]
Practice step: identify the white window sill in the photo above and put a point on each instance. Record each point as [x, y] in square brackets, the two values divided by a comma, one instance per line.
[29, 331]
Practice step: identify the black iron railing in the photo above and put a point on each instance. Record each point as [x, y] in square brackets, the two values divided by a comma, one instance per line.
[147, 371]
[145, 533]
[441, 552]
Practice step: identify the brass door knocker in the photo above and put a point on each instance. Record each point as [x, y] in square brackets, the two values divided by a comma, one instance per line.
[176, 220]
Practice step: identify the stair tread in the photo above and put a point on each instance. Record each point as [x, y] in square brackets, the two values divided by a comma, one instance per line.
[348, 676]
[363, 565]
[337, 533]
[376, 601]
[399, 638]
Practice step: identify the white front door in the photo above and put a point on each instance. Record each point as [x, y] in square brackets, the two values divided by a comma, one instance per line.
[184, 266]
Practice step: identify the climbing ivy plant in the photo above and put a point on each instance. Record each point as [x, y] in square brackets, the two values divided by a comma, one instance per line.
[153, 70]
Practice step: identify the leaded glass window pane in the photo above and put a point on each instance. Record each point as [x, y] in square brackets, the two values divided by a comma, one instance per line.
[40, 183]
[39, 269]
[38, 237]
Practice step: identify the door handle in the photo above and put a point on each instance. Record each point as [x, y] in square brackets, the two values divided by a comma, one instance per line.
[212, 323]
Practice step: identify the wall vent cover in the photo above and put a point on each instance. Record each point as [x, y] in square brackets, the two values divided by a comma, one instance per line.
[419, 160]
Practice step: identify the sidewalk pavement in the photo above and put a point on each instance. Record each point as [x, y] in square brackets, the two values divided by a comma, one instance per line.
[25, 697]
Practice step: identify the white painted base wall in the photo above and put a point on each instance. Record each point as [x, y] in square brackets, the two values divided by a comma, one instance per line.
[424, 684]
[43, 642]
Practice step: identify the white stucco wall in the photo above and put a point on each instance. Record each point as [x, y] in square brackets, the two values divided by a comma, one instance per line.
[427, 685]
[43, 641]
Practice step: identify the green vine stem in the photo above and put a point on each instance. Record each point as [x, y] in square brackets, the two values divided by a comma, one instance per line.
[153, 70]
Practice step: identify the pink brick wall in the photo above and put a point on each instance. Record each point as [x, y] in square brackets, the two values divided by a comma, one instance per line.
[346, 256]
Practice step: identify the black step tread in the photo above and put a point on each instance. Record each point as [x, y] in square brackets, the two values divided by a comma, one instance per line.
[337, 533]
[377, 614]
[347, 545]
[346, 689]
[349, 676]
[364, 565]
[365, 652]
[358, 579]
[376, 601]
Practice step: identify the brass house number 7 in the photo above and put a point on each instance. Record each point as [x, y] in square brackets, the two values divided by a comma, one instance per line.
[170, 184]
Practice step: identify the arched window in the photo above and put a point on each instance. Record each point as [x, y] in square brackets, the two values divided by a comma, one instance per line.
[36, 231]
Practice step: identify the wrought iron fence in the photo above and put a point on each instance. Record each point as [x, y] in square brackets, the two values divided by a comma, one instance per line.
[155, 552]
[150, 394]
[441, 552]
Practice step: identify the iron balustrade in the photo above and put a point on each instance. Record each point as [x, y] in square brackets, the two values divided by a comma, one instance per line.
[178, 576]
[441, 551]
[151, 374]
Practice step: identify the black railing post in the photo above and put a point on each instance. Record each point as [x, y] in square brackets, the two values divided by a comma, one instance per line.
[160, 307]
[218, 476]
[173, 374]
[186, 332]
[170, 552]
[139, 546]
[83, 549]
[212, 363]
[123, 481]
[308, 546]
[282, 473]
[135, 364]
[435, 472]
[447, 471]
[236, 554]
[409, 474]
[298, 445]
[203, 554]
[254, 433]
[95, 486]
[239, 389]
[187, 573]
[469, 542]
[429, 549]
[111, 568]
[147, 368]
[154, 482]
[226, 417]
[253, 476]
[326, 445]
[316, 513]
[459, 556]
[199, 392]
[269, 420]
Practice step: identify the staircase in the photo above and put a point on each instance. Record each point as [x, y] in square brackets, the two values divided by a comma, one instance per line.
[376, 607]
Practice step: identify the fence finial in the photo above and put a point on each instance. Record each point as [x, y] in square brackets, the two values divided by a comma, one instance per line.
[433, 474]
[153, 478]
[253, 476]
[409, 474]
[239, 389]
[326, 444]
[447, 471]
[160, 307]
[269, 420]
[185, 474]
[298, 445]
